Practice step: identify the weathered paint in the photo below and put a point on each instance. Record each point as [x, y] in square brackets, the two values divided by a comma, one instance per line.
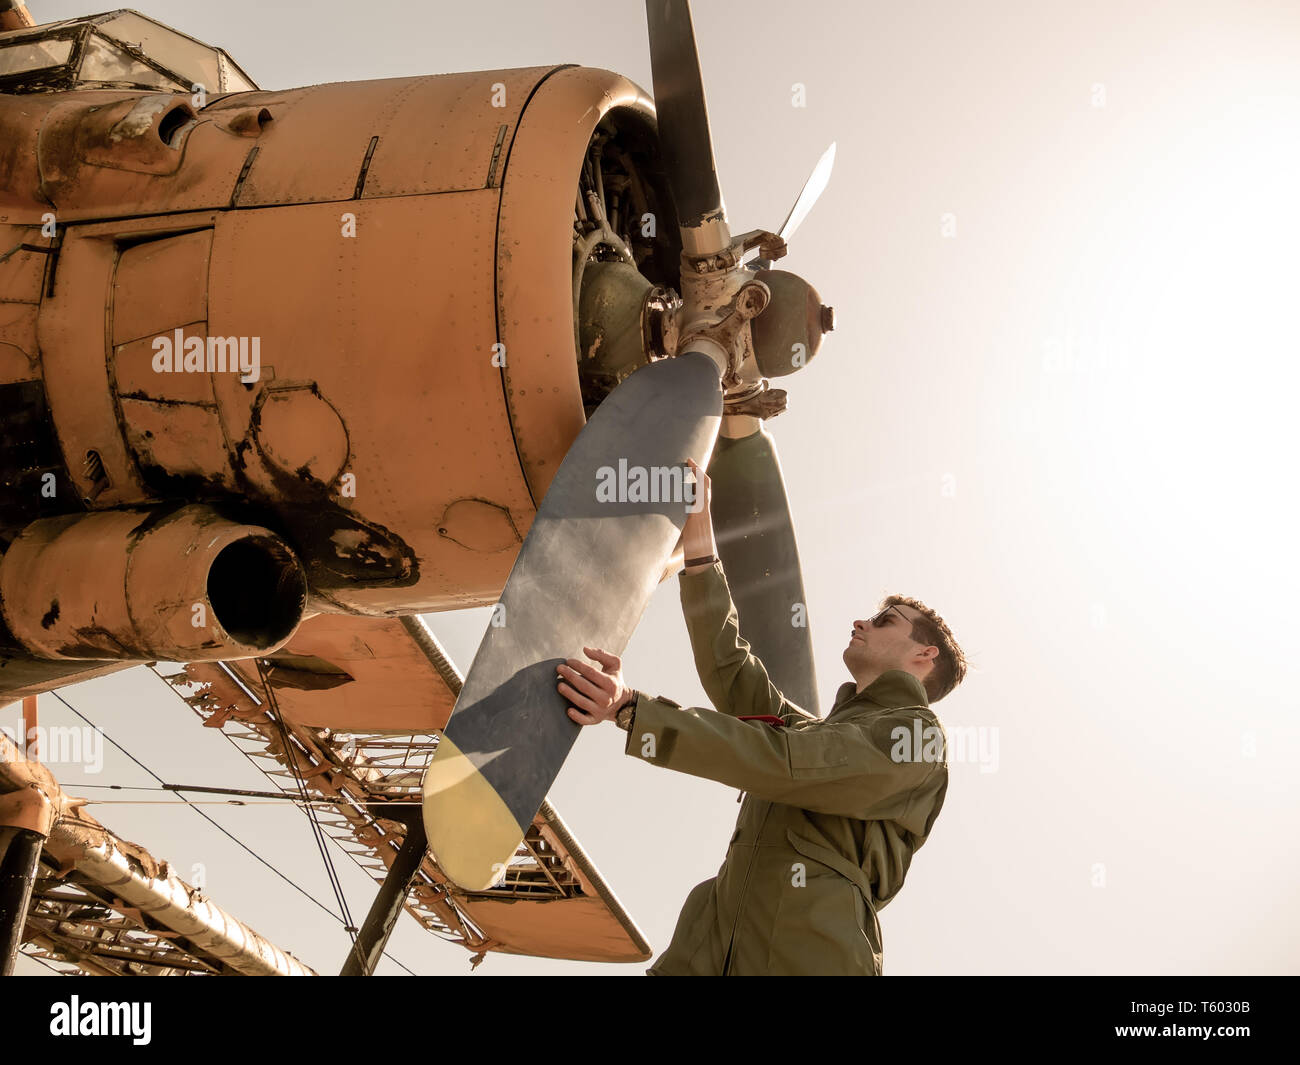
[401, 460]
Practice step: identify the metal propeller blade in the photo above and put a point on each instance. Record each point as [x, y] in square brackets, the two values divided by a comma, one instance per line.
[684, 139]
[756, 544]
[809, 194]
[751, 516]
[582, 578]
[808, 197]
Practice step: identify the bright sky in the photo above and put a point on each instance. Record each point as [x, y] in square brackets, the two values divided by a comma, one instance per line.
[1058, 406]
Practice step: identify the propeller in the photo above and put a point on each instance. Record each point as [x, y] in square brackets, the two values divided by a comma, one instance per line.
[590, 562]
[582, 578]
[751, 515]
[756, 545]
[803, 204]
[684, 139]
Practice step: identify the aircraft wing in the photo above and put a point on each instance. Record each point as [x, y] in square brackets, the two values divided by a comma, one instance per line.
[363, 701]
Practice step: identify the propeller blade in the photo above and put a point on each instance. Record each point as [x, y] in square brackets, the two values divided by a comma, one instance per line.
[809, 194]
[756, 544]
[582, 578]
[803, 204]
[684, 139]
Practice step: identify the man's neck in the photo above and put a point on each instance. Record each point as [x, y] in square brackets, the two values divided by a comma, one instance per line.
[865, 680]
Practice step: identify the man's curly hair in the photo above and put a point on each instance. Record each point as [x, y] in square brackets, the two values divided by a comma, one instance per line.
[949, 667]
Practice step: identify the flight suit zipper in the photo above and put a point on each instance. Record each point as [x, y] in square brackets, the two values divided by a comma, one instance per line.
[744, 891]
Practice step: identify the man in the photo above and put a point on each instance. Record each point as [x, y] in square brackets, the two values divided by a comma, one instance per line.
[835, 806]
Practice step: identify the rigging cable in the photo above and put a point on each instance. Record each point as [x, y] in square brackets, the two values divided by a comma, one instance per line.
[318, 833]
[216, 824]
[167, 679]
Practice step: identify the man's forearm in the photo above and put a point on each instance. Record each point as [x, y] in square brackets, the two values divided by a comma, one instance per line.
[734, 680]
[698, 544]
[847, 769]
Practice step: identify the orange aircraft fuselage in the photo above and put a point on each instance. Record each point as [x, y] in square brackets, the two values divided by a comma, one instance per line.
[343, 314]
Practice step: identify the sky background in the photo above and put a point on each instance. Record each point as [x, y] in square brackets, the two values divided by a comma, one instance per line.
[1059, 407]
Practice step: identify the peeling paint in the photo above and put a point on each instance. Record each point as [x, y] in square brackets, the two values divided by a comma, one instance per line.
[141, 118]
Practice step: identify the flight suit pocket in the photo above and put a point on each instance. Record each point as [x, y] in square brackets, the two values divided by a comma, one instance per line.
[858, 943]
[813, 751]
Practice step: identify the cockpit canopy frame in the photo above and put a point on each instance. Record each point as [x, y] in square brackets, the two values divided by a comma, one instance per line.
[119, 49]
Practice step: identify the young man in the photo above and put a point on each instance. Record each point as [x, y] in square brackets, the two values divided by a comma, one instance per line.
[835, 806]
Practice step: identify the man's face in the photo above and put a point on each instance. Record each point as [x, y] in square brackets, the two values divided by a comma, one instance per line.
[885, 642]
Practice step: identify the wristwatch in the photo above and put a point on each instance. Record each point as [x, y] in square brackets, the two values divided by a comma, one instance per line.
[623, 718]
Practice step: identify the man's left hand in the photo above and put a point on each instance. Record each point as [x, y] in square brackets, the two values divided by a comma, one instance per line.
[596, 694]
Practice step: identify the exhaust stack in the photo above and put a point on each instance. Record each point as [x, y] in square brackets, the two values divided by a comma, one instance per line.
[180, 586]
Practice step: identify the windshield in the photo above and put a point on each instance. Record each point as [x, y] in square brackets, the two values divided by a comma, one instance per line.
[195, 62]
[22, 56]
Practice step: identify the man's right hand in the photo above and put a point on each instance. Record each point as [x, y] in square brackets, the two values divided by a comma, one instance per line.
[595, 694]
[697, 535]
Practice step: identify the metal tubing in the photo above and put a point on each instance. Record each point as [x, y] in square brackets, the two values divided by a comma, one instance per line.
[17, 873]
[173, 903]
[389, 902]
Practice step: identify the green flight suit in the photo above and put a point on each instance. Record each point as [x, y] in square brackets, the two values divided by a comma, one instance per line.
[834, 807]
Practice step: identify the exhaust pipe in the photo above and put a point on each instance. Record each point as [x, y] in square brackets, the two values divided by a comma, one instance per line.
[179, 586]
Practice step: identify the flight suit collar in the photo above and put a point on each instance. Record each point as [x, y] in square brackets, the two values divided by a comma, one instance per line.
[892, 689]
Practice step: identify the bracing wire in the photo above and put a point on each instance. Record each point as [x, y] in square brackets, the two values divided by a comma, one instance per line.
[220, 828]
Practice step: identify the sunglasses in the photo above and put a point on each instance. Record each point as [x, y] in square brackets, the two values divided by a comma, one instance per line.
[877, 621]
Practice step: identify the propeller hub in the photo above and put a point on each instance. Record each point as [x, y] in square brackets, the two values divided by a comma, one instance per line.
[718, 308]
